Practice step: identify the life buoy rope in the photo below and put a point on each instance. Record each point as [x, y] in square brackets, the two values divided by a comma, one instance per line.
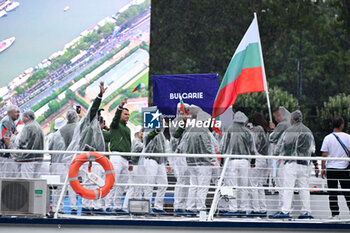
[109, 175]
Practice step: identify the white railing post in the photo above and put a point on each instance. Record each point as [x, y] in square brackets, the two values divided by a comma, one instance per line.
[64, 189]
[215, 202]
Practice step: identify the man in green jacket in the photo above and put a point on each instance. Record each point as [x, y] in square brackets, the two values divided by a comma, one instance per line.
[120, 140]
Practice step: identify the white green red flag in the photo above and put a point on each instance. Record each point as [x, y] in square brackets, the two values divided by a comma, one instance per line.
[244, 74]
[139, 87]
[182, 107]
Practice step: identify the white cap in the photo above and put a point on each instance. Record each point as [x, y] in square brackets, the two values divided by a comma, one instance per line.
[60, 122]
[138, 129]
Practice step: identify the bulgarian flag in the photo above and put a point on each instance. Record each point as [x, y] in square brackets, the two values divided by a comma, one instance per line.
[3, 131]
[139, 87]
[182, 107]
[244, 74]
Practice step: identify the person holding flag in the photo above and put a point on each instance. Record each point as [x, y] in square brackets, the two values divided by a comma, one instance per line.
[245, 74]
[179, 164]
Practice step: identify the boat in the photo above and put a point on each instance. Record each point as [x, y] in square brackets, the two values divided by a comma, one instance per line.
[12, 6]
[6, 43]
[4, 4]
[2, 13]
[66, 8]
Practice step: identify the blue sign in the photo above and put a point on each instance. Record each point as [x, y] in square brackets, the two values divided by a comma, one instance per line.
[151, 119]
[197, 89]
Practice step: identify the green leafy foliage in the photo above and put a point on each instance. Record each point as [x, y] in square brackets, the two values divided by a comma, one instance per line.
[305, 44]
[256, 102]
[336, 106]
[132, 12]
[190, 36]
[106, 29]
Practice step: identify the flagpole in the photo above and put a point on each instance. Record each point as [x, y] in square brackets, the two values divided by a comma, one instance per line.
[263, 70]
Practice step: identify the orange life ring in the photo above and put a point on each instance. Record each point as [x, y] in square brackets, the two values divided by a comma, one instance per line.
[81, 190]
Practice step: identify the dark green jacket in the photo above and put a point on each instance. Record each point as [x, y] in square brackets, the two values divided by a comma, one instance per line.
[120, 135]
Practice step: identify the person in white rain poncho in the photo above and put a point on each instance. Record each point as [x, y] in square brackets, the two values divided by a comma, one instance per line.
[30, 138]
[55, 141]
[156, 167]
[238, 140]
[179, 164]
[88, 136]
[198, 140]
[137, 142]
[61, 167]
[282, 117]
[297, 140]
[67, 130]
[258, 174]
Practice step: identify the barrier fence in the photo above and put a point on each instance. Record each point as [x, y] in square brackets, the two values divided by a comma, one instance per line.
[227, 189]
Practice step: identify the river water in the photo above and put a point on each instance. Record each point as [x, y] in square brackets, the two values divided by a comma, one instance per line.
[41, 27]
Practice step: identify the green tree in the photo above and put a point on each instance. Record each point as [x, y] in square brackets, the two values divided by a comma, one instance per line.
[92, 37]
[83, 46]
[257, 102]
[19, 90]
[106, 29]
[54, 106]
[70, 95]
[190, 36]
[338, 105]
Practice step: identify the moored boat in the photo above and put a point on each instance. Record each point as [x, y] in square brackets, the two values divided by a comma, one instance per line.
[12, 6]
[6, 43]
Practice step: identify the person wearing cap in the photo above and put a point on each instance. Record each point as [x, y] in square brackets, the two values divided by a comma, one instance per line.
[30, 138]
[238, 140]
[179, 164]
[8, 167]
[298, 141]
[197, 139]
[57, 167]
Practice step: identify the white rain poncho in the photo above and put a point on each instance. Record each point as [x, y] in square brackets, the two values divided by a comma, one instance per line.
[55, 142]
[261, 140]
[198, 140]
[297, 140]
[174, 142]
[30, 138]
[155, 142]
[87, 133]
[238, 140]
[276, 135]
[174, 126]
[67, 131]
[136, 145]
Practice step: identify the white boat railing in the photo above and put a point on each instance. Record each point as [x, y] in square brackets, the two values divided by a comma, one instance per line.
[319, 203]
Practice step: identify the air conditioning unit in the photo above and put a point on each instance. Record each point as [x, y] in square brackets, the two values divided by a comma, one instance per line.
[29, 197]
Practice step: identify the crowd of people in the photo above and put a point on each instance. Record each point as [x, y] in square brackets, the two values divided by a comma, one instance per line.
[194, 175]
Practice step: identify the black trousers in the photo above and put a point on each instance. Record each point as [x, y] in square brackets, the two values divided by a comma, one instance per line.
[333, 177]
